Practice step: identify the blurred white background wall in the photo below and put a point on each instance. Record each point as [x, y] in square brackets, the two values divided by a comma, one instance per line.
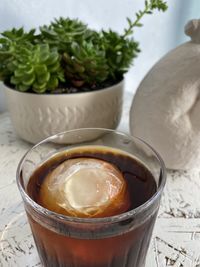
[161, 32]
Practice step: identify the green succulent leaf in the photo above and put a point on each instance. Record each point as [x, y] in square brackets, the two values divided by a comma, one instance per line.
[41, 69]
[39, 88]
[28, 79]
[53, 82]
[18, 35]
[22, 87]
[18, 73]
[52, 59]
[15, 80]
[43, 78]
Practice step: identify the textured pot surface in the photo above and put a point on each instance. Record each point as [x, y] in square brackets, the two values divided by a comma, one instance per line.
[36, 117]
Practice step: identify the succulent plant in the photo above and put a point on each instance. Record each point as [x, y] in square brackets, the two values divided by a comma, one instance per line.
[19, 36]
[67, 52]
[119, 53]
[37, 68]
[62, 32]
[84, 60]
[9, 45]
[85, 64]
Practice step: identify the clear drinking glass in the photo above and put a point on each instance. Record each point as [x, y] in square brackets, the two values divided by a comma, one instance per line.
[116, 241]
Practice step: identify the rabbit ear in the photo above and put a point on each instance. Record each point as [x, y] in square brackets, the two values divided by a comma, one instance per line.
[192, 29]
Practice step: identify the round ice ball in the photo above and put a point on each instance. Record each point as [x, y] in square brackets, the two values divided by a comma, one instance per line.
[85, 187]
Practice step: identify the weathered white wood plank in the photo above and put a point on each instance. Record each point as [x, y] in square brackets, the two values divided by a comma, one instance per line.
[181, 197]
[176, 242]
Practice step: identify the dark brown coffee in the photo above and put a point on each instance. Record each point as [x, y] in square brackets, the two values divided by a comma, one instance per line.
[78, 245]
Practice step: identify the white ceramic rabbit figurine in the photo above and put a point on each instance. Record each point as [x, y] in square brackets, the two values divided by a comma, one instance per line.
[166, 108]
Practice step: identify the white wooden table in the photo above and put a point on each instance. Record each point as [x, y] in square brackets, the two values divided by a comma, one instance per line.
[176, 240]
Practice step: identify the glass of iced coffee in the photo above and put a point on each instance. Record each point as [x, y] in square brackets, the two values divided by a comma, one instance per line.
[91, 198]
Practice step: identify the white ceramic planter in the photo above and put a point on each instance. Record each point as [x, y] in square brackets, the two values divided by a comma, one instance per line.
[36, 117]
